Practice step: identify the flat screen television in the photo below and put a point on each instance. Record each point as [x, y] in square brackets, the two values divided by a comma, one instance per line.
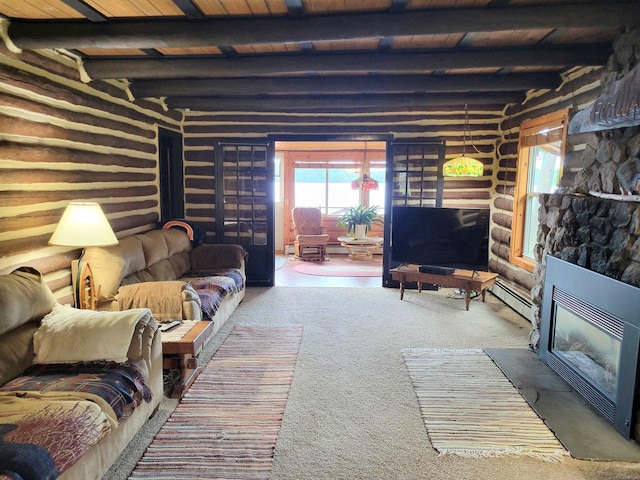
[443, 237]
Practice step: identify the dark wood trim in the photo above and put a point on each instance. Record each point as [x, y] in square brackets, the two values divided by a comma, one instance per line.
[346, 63]
[149, 33]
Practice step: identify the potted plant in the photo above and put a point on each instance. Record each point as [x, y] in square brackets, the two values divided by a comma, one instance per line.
[358, 220]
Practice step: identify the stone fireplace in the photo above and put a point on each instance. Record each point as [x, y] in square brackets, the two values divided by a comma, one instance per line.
[587, 300]
[586, 297]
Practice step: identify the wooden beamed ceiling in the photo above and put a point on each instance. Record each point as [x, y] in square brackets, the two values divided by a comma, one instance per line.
[315, 55]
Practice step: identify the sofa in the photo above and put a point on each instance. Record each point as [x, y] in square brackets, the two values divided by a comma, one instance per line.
[163, 271]
[75, 385]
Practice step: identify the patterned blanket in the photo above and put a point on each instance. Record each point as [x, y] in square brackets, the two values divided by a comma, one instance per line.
[53, 414]
[213, 289]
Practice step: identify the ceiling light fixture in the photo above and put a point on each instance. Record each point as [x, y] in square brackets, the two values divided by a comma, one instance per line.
[463, 166]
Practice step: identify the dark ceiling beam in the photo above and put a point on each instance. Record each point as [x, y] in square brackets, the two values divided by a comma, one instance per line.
[343, 85]
[398, 5]
[341, 103]
[189, 8]
[89, 12]
[150, 33]
[388, 62]
[295, 8]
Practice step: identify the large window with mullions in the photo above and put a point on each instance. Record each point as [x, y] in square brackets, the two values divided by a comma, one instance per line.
[328, 184]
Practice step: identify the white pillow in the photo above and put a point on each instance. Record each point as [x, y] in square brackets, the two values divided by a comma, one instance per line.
[70, 335]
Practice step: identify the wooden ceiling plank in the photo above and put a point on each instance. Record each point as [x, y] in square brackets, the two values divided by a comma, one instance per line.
[344, 63]
[87, 11]
[277, 29]
[343, 85]
[42, 10]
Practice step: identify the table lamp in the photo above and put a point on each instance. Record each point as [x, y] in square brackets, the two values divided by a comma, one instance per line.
[83, 224]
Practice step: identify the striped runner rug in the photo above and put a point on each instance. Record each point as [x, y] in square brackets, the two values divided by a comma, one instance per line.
[228, 422]
[471, 409]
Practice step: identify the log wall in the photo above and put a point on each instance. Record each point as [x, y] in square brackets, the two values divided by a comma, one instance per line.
[202, 129]
[579, 88]
[62, 139]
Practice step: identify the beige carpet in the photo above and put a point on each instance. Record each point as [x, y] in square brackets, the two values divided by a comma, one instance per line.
[471, 409]
[352, 412]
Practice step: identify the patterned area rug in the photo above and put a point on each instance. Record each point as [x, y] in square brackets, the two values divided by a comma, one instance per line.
[341, 268]
[471, 409]
[228, 422]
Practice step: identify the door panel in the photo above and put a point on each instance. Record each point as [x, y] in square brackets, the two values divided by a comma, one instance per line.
[415, 179]
[244, 176]
[171, 174]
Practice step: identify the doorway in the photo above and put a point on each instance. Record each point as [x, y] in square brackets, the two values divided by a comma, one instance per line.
[324, 174]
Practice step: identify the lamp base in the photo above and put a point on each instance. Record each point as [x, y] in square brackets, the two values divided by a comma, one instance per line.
[85, 294]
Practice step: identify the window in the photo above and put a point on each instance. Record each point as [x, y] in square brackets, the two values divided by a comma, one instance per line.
[540, 157]
[325, 179]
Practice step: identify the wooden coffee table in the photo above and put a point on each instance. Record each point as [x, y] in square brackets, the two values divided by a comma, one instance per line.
[180, 347]
[466, 280]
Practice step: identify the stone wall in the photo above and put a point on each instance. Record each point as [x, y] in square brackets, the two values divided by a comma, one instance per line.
[598, 234]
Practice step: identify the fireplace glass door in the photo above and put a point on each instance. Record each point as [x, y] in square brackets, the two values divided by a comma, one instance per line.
[589, 349]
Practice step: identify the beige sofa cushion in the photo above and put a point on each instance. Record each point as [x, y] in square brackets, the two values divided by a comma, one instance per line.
[70, 335]
[24, 297]
[111, 264]
[17, 351]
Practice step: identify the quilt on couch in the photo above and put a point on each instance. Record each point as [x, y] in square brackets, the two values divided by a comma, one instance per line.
[70, 408]
[213, 288]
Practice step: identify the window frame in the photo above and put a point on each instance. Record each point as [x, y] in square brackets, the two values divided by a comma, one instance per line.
[530, 136]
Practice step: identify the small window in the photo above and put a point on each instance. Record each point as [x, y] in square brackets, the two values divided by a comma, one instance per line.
[541, 149]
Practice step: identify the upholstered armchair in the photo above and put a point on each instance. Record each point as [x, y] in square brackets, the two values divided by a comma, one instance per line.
[311, 238]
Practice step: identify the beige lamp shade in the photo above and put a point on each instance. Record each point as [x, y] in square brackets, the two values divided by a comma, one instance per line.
[83, 224]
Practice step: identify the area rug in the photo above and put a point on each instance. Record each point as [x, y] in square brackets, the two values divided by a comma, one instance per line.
[341, 268]
[228, 422]
[471, 409]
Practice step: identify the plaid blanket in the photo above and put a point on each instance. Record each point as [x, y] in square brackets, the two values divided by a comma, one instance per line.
[53, 414]
[119, 386]
[212, 289]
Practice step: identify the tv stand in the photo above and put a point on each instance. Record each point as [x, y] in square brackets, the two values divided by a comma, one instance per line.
[467, 280]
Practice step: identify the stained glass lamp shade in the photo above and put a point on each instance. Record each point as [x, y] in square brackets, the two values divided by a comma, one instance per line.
[364, 182]
[463, 166]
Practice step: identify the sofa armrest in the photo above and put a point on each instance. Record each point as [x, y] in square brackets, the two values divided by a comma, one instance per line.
[210, 257]
[140, 349]
[167, 300]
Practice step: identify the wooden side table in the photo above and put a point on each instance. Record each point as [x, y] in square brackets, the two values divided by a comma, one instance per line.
[466, 280]
[180, 346]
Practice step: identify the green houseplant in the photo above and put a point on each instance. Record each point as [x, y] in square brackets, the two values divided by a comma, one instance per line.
[360, 215]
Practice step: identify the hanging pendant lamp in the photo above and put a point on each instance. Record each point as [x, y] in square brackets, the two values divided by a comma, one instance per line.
[364, 181]
[463, 166]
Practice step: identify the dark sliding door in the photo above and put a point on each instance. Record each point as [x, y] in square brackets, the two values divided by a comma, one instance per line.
[414, 179]
[245, 204]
